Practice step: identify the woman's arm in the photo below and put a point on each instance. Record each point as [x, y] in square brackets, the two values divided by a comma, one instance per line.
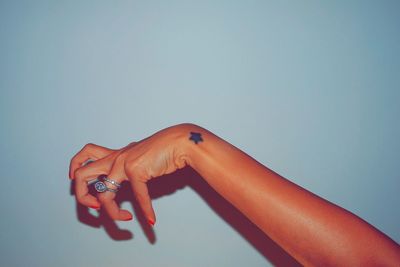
[311, 229]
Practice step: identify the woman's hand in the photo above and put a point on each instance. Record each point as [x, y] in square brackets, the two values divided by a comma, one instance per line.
[313, 230]
[162, 153]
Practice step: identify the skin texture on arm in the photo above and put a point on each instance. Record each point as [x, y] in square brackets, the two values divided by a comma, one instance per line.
[313, 230]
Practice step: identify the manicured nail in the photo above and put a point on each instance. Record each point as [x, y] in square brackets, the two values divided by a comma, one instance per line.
[128, 219]
[151, 222]
[95, 207]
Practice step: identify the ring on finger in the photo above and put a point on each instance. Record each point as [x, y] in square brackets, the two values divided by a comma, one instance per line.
[113, 182]
[90, 182]
[101, 187]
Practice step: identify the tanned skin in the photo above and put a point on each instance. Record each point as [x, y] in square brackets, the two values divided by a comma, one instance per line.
[313, 230]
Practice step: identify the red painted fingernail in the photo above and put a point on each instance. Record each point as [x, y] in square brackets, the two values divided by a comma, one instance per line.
[151, 222]
[94, 207]
[128, 219]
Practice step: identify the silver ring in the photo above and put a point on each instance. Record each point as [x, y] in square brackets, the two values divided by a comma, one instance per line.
[112, 190]
[101, 187]
[90, 182]
[105, 178]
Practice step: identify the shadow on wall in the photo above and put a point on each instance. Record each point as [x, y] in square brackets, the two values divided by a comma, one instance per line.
[168, 184]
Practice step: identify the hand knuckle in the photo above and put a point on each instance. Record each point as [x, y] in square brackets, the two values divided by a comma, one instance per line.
[130, 169]
[78, 174]
[89, 146]
[136, 171]
[121, 155]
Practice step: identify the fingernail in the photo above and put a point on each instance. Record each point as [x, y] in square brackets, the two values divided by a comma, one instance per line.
[151, 222]
[95, 207]
[128, 219]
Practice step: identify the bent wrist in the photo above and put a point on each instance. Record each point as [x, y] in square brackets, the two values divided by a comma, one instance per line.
[184, 142]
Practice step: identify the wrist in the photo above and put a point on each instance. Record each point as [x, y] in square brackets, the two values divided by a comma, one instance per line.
[183, 144]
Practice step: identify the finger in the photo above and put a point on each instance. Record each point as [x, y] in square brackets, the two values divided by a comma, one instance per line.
[112, 208]
[89, 151]
[82, 194]
[142, 196]
[95, 168]
[116, 174]
[86, 173]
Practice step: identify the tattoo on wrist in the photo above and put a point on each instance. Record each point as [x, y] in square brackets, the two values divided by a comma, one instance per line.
[196, 137]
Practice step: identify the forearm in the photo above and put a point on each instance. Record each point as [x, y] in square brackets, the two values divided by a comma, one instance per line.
[311, 229]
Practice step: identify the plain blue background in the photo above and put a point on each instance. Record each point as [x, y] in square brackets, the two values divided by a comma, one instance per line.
[308, 88]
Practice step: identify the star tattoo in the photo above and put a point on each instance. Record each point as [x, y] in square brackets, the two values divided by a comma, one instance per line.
[195, 137]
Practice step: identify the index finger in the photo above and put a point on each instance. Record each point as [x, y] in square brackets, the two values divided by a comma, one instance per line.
[87, 173]
[88, 152]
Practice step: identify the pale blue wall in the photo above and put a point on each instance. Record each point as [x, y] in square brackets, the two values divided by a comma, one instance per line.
[311, 89]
